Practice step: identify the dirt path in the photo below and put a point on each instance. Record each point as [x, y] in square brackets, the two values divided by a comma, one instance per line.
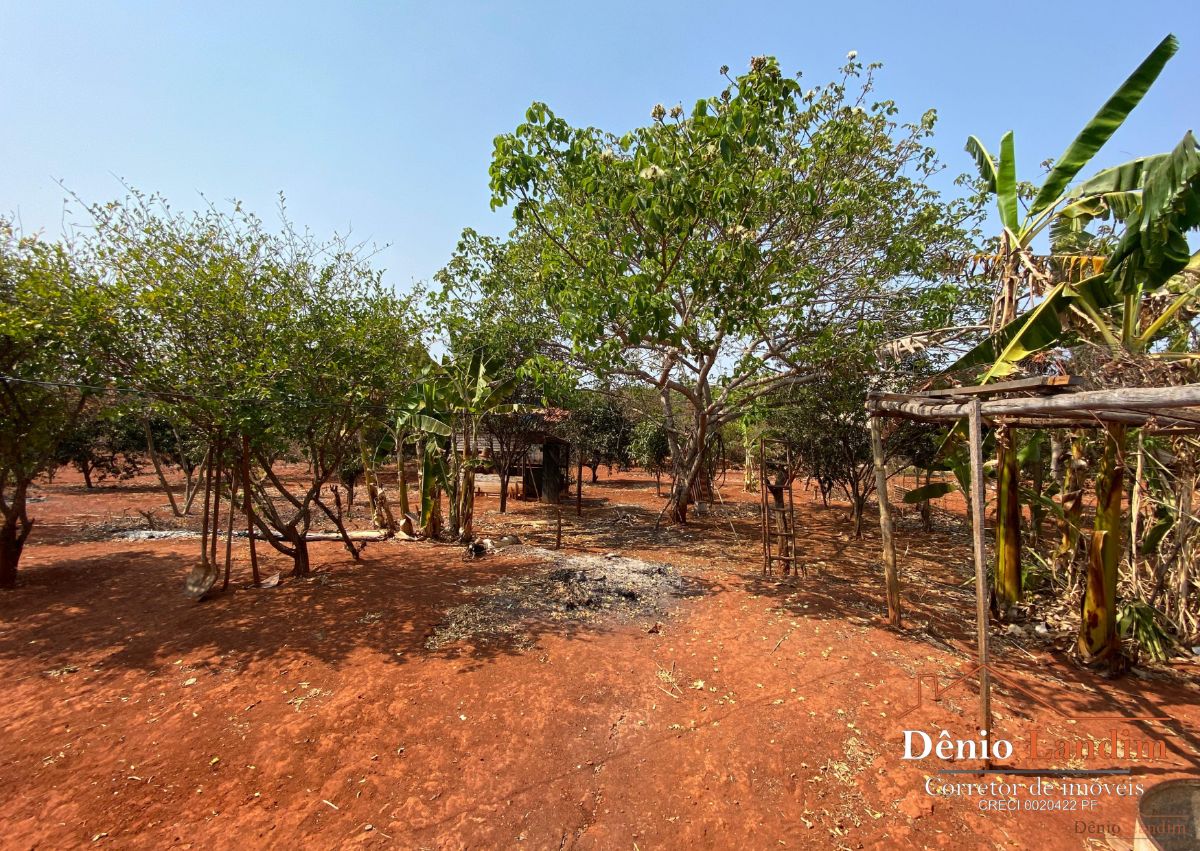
[742, 713]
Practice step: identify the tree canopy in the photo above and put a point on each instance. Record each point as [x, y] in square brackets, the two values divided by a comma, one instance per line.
[724, 252]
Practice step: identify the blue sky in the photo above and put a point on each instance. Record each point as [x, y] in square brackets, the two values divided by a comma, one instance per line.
[380, 117]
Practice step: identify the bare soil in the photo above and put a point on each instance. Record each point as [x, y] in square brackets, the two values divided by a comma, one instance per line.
[418, 699]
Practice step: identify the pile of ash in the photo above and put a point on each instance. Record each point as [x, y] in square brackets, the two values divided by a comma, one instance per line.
[577, 588]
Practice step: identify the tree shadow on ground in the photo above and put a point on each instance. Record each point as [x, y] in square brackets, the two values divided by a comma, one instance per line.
[125, 609]
[938, 607]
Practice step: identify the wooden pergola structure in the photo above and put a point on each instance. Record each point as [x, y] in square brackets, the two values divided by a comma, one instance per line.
[1057, 401]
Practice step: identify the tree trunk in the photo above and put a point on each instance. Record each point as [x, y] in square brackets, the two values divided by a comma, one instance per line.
[300, 563]
[206, 517]
[11, 544]
[336, 519]
[927, 507]
[1072, 510]
[749, 471]
[466, 512]
[229, 530]
[504, 477]
[1136, 491]
[433, 528]
[219, 469]
[192, 484]
[891, 575]
[1036, 510]
[1008, 523]
[13, 532]
[248, 509]
[579, 487]
[689, 469]
[1098, 622]
[86, 469]
[381, 511]
[152, 451]
[406, 524]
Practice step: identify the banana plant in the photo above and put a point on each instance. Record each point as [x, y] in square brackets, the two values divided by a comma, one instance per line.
[462, 393]
[1117, 192]
[1015, 263]
[417, 418]
[1119, 308]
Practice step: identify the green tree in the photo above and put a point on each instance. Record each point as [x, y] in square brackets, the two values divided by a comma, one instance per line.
[649, 447]
[456, 397]
[492, 301]
[826, 424]
[55, 328]
[105, 443]
[703, 254]
[268, 347]
[599, 428]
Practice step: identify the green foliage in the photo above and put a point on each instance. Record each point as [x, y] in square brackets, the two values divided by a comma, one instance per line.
[933, 490]
[105, 443]
[55, 326]
[826, 425]
[1140, 622]
[451, 401]
[492, 302]
[233, 331]
[1100, 129]
[599, 428]
[648, 446]
[699, 254]
[1156, 198]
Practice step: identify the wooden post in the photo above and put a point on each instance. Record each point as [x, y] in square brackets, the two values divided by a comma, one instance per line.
[229, 529]
[762, 505]
[975, 418]
[885, 525]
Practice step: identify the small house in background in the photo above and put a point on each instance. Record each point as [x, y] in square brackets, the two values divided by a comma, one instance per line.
[528, 446]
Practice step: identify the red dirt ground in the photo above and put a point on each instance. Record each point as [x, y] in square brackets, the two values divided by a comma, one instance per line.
[759, 714]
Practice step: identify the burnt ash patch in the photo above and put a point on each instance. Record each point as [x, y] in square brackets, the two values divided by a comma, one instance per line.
[564, 589]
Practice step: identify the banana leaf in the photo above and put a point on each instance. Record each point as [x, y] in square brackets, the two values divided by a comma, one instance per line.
[933, 490]
[1006, 184]
[1100, 129]
[1120, 178]
[1031, 497]
[1028, 333]
[984, 161]
[1151, 540]
[1097, 291]
[1154, 246]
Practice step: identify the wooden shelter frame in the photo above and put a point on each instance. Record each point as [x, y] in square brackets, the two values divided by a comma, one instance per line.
[1056, 401]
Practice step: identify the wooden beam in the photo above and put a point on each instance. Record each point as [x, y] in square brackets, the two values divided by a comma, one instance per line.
[1058, 382]
[891, 579]
[1123, 399]
[978, 497]
[916, 407]
[1132, 406]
